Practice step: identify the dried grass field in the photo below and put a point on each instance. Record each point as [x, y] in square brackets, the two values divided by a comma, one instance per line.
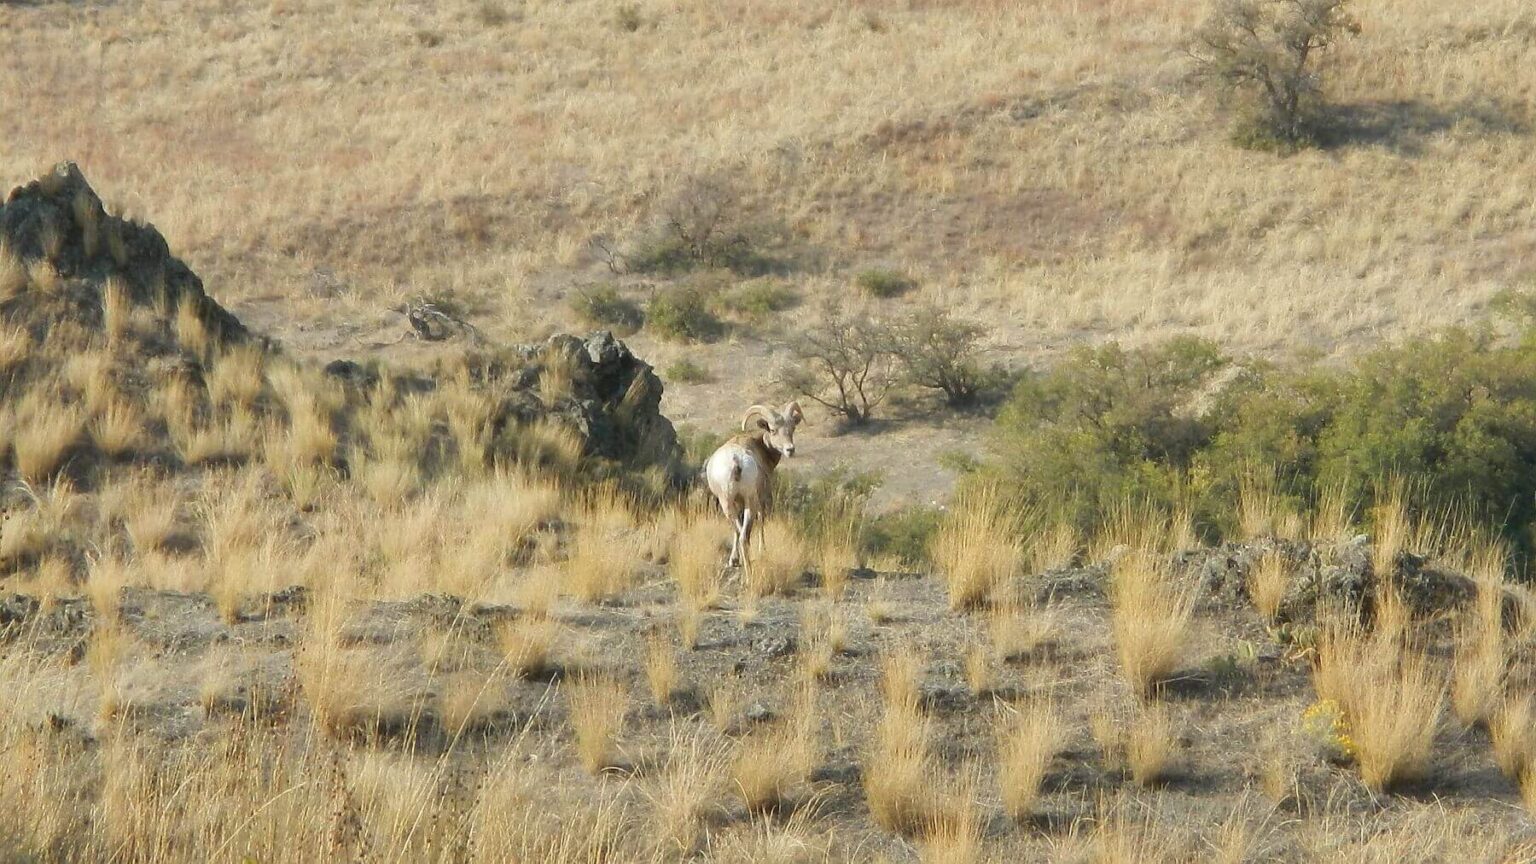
[282, 579]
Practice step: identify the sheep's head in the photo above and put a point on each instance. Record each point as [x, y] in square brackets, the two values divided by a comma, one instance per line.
[777, 426]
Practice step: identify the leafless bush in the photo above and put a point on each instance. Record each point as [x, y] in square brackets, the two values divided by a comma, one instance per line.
[846, 364]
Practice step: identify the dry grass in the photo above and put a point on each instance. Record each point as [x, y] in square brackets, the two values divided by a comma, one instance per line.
[605, 554]
[1019, 631]
[838, 555]
[1512, 734]
[116, 309]
[468, 702]
[1150, 620]
[1268, 583]
[1391, 696]
[527, 644]
[1150, 745]
[46, 434]
[977, 548]
[898, 772]
[777, 566]
[13, 273]
[980, 676]
[661, 668]
[772, 767]
[1028, 738]
[191, 331]
[1056, 547]
[597, 707]
[695, 557]
[688, 791]
[1393, 531]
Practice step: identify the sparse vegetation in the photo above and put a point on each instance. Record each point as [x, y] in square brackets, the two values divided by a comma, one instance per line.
[943, 354]
[402, 606]
[604, 306]
[884, 283]
[686, 371]
[683, 314]
[846, 364]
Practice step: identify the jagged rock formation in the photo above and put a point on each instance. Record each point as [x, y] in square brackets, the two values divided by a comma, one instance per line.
[56, 229]
[613, 403]
[60, 251]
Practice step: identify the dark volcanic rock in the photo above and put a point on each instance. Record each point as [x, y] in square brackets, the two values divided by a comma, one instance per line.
[614, 403]
[60, 220]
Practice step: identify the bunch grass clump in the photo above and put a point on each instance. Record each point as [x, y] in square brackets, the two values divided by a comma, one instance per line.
[978, 547]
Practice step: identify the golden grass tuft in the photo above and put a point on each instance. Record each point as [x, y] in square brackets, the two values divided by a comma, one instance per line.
[980, 676]
[1512, 734]
[838, 553]
[237, 376]
[1477, 672]
[1390, 695]
[1019, 631]
[1056, 547]
[771, 767]
[15, 347]
[661, 669]
[192, 332]
[468, 702]
[116, 308]
[527, 644]
[687, 792]
[46, 435]
[13, 273]
[898, 774]
[604, 555]
[106, 577]
[1150, 745]
[1107, 729]
[694, 559]
[597, 707]
[1028, 738]
[118, 429]
[1151, 621]
[1267, 584]
[977, 548]
[780, 560]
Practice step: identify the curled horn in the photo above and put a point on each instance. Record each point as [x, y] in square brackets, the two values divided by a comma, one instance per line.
[793, 412]
[768, 414]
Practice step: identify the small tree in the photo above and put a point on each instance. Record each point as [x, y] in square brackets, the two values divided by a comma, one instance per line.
[845, 364]
[940, 353]
[1267, 51]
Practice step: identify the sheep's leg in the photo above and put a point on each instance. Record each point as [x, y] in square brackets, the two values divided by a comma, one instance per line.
[746, 535]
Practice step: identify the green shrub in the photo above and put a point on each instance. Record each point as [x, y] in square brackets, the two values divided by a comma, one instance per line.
[826, 503]
[1455, 414]
[941, 353]
[603, 306]
[697, 444]
[884, 283]
[760, 298]
[686, 371]
[904, 534]
[682, 313]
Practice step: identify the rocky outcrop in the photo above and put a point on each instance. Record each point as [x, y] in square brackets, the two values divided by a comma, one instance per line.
[609, 398]
[57, 232]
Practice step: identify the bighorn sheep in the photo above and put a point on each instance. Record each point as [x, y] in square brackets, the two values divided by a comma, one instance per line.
[740, 473]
